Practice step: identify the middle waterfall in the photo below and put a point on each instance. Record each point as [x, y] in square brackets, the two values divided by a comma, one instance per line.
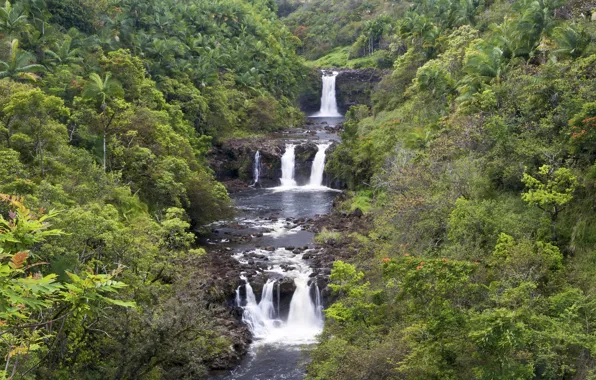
[318, 166]
[288, 162]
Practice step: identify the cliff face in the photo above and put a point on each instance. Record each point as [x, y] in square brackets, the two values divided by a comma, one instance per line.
[309, 95]
[354, 87]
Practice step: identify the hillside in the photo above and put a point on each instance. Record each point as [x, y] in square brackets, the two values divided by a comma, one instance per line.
[108, 109]
[462, 245]
[475, 169]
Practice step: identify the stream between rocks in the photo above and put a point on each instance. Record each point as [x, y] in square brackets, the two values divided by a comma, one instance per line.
[282, 285]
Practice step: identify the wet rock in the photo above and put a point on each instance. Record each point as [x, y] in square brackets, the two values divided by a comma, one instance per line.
[357, 213]
[322, 282]
[287, 286]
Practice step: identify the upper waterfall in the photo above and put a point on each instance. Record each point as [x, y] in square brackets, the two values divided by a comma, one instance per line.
[328, 97]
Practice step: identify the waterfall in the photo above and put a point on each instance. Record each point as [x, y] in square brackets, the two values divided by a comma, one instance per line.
[305, 318]
[257, 167]
[328, 99]
[238, 299]
[287, 167]
[318, 166]
[303, 313]
[318, 304]
[259, 316]
[278, 300]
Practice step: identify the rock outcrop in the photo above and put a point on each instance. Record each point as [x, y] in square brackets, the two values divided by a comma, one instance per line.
[354, 87]
[309, 95]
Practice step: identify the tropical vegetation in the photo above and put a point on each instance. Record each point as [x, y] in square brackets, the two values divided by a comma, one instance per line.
[476, 171]
[107, 111]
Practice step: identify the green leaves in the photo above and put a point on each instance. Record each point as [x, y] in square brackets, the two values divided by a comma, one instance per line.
[551, 191]
[94, 287]
[29, 298]
[102, 90]
[20, 66]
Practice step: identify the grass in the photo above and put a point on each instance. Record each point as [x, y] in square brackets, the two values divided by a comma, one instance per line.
[339, 58]
[326, 236]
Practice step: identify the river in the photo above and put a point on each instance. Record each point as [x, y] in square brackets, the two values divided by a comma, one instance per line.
[285, 310]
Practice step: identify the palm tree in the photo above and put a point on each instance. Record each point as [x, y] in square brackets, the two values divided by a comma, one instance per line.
[19, 67]
[12, 20]
[102, 92]
[64, 53]
[484, 66]
[571, 42]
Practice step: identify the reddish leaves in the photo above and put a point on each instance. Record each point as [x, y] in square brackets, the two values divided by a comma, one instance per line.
[18, 260]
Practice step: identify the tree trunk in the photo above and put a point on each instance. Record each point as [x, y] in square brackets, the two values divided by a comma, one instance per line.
[553, 227]
[104, 151]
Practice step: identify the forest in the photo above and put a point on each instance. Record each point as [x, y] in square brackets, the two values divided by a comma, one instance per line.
[107, 109]
[474, 167]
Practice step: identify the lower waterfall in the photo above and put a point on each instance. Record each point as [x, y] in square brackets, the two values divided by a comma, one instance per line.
[305, 317]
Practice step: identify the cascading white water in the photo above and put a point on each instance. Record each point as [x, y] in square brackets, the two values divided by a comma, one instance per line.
[238, 299]
[303, 311]
[257, 167]
[318, 166]
[287, 166]
[328, 98]
[259, 317]
[278, 300]
[305, 318]
[318, 304]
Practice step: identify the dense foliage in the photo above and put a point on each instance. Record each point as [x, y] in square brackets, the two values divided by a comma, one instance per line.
[476, 168]
[107, 110]
[475, 165]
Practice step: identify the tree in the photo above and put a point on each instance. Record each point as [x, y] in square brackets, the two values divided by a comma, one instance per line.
[550, 192]
[13, 20]
[485, 64]
[19, 67]
[31, 302]
[572, 41]
[34, 123]
[64, 53]
[104, 93]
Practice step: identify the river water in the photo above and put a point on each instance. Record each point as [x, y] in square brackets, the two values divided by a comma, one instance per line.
[282, 353]
[283, 331]
[284, 327]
